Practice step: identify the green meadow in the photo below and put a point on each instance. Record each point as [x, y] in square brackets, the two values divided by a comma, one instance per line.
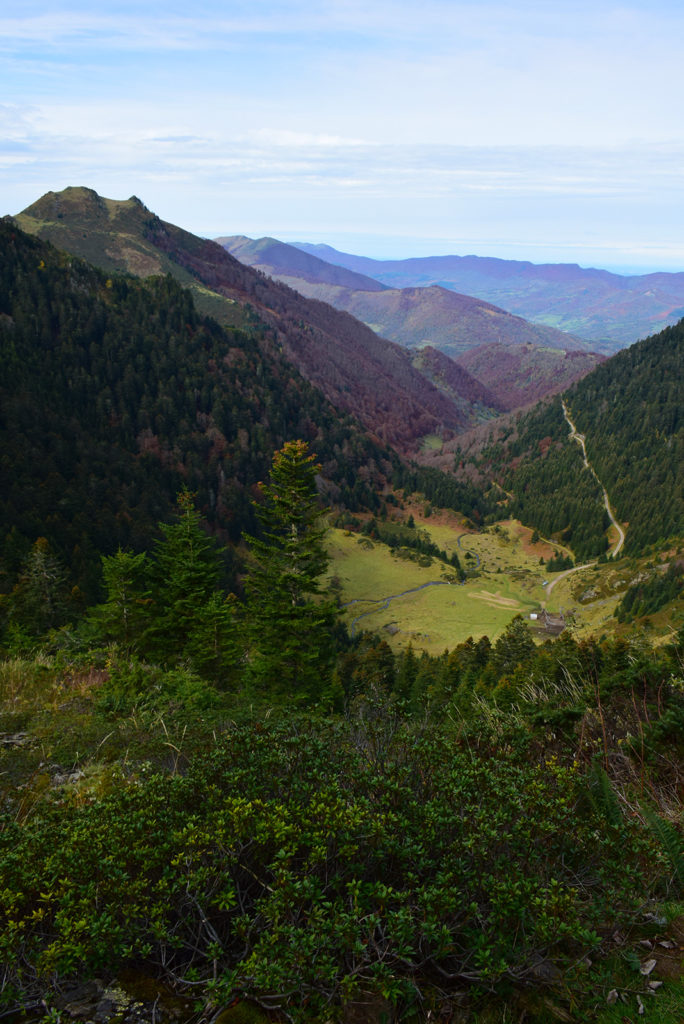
[379, 588]
[395, 594]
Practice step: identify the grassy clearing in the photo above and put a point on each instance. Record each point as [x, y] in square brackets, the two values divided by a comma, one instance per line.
[506, 580]
[431, 443]
[227, 311]
[438, 616]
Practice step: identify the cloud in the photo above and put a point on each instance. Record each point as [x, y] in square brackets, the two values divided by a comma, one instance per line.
[447, 119]
[282, 138]
[391, 71]
[140, 137]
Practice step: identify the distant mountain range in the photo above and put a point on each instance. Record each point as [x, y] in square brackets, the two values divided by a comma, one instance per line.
[518, 362]
[607, 309]
[413, 316]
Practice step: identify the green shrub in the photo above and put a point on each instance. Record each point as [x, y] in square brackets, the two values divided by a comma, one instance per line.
[296, 864]
[133, 684]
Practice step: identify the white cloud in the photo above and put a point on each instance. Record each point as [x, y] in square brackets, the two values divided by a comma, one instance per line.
[445, 119]
[279, 137]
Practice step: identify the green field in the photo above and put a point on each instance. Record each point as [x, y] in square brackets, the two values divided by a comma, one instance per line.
[378, 588]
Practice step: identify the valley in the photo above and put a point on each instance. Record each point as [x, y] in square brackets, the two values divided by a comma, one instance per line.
[425, 605]
[404, 602]
[337, 682]
[341, 513]
[424, 406]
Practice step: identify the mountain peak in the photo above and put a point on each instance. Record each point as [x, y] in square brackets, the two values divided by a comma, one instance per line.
[107, 232]
[76, 202]
[56, 205]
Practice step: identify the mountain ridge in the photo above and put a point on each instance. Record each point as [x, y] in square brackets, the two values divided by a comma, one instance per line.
[359, 372]
[603, 307]
[437, 318]
[411, 315]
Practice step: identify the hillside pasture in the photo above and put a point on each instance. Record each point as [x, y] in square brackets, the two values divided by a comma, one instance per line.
[389, 593]
[382, 592]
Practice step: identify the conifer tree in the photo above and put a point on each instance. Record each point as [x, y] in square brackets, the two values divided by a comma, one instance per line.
[514, 647]
[40, 598]
[121, 616]
[215, 645]
[185, 575]
[291, 641]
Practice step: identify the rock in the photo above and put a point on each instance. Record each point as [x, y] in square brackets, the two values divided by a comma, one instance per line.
[67, 778]
[647, 967]
[544, 970]
[655, 918]
[612, 996]
[81, 1001]
[17, 739]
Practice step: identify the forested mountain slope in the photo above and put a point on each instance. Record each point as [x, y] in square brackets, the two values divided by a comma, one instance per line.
[359, 372]
[629, 411]
[116, 393]
[517, 375]
[449, 376]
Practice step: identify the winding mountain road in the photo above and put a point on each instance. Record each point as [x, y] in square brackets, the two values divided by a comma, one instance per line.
[576, 568]
[576, 436]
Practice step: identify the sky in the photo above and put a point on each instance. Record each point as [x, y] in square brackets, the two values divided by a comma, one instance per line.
[544, 130]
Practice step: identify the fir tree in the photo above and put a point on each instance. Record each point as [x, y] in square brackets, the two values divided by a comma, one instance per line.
[121, 616]
[185, 575]
[291, 631]
[40, 598]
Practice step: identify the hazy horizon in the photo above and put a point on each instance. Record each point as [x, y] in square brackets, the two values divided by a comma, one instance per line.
[542, 132]
[391, 249]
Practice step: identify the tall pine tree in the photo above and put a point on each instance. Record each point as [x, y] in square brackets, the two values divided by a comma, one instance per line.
[291, 627]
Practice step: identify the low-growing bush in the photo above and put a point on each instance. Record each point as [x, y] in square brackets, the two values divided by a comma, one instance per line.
[301, 865]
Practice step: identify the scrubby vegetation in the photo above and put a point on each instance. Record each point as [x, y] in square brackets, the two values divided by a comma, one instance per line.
[206, 780]
[242, 802]
[477, 823]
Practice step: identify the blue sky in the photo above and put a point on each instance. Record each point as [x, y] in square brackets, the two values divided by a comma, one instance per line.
[548, 131]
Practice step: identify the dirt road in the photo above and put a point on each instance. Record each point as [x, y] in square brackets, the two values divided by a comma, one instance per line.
[606, 501]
